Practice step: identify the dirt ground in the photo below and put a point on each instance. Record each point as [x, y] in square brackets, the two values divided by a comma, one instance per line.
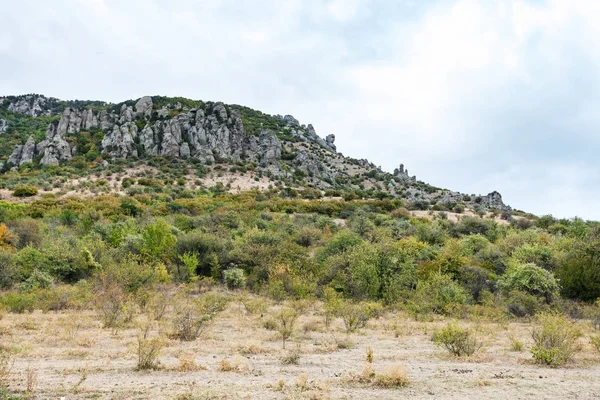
[68, 355]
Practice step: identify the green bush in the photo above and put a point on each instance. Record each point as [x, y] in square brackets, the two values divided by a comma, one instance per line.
[234, 278]
[437, 294]
[579, 270]
[555, 340]
[25, 191]
[531, 279]
[457, 340]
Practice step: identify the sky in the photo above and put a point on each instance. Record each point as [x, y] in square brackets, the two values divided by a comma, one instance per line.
[472, 96]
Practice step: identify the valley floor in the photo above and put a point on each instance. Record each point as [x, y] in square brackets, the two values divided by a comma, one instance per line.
[69, 355]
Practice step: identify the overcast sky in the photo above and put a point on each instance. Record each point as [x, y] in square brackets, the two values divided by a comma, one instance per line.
[470, 95]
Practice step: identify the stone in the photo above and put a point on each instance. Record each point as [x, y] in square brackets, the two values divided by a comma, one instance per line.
[15, 157]
[33, 105]
[3, 126]
[119, 143]
[330, 139]
[55, 148]
[143, 108]
[184, 150]
[290, 120]
[270, 148]
[28, 152]
[163, 113]
[494, 200]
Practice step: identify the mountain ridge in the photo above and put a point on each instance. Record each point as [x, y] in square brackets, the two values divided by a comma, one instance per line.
[293, 154]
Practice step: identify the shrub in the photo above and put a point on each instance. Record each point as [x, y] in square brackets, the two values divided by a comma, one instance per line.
[148, 348]
[457, 340]
[190, 263]
[6, 363]
[111, 304]
[193, 315]
[234, 278]
[356, 315]
[18, 302]
[578, 272]
[531, 279]
[291, 357]
[25, 191]
[555, 340]
[522, 304]
[392, 376]
[595, 341]
[438, 294]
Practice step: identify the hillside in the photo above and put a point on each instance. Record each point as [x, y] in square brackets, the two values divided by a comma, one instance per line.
[76, 146]
[176, 249]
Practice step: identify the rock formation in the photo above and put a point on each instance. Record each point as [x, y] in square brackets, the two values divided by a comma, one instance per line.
[213, 132]
[32, 105]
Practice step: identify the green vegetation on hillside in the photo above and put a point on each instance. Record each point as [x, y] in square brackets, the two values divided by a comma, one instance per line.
[364, 250]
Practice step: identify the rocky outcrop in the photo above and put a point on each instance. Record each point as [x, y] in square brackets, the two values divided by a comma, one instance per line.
[290, 120]
[3, 126]
[312, 166]
[401, 174]
[32, 105]
[143, 107]
[493, 200]
[28, 151]
[202, 134]
[329, 140]
[312, 136]
[55, 148]
[119, 141]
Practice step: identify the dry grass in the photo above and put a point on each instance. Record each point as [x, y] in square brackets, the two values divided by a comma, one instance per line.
[241, 359]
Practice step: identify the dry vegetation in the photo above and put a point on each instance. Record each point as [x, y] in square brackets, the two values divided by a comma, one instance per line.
[72, 354]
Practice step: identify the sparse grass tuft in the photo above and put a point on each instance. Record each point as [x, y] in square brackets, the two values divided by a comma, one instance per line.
[515, 344]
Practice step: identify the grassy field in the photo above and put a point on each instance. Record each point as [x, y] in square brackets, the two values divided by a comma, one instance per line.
[238, 354]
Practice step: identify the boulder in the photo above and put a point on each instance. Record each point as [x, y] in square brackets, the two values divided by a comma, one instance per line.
[143, 108]
[290, 120]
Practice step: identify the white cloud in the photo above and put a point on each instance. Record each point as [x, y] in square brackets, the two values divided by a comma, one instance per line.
[471, 95]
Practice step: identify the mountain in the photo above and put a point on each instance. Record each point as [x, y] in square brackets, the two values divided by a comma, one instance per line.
[41, 134]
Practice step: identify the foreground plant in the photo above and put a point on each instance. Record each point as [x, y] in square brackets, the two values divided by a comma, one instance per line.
[286, 320]
[148, 346]
[555, 340]
[192, 315]
[457, 340]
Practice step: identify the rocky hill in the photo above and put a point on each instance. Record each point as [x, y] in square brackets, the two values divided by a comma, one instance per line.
[39, 133]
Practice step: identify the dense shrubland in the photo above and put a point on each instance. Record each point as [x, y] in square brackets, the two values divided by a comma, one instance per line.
[60, 253]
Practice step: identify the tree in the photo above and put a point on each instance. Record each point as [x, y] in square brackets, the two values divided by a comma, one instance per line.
[158, 241]
[531, 279]
[579, 271]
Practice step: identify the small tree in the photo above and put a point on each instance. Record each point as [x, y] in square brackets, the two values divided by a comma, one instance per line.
[286, 320]
[158, 241]
[190, 264]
